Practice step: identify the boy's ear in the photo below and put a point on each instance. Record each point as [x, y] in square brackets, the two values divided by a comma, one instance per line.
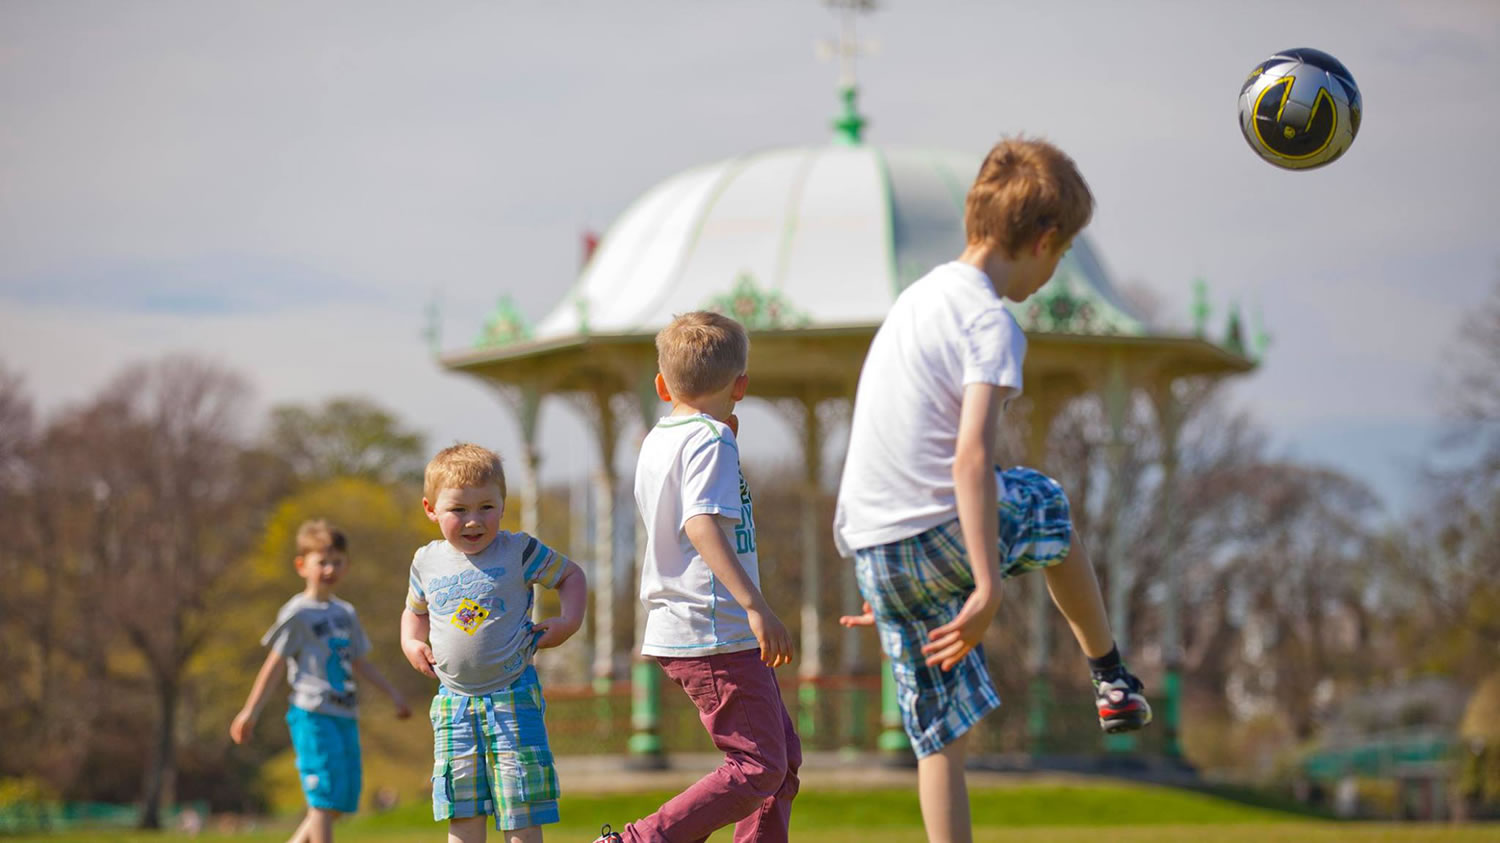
[661, 388]
[1045, 242]
[741, 383]
[427, 508]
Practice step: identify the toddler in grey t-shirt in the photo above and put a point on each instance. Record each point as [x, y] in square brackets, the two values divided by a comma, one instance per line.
[467, 623]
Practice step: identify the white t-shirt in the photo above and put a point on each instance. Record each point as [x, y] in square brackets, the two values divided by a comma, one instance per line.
[690, 465]
[947, 330]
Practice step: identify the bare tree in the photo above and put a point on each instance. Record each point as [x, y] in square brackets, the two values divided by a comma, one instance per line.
[175, 499]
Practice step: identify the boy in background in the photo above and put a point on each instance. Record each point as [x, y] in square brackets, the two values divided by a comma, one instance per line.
[319, 638]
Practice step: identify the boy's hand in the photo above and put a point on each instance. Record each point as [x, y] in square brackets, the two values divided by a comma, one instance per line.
[554, 631]
[243, 726]
[866, 618]
[420, 656]
[954, 639]
[403, 710]
[775, 641]
[734, 425]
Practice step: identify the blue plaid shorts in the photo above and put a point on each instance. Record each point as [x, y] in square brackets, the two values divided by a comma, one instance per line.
[491, 757]
[919, 583]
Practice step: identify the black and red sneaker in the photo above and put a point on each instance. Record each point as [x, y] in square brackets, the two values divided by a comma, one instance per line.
[1122, 706]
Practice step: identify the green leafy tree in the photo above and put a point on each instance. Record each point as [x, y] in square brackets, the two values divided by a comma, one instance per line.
[345, 437]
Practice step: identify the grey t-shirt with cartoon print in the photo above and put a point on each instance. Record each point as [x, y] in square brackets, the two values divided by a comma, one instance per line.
[479, 608]
[320, 642]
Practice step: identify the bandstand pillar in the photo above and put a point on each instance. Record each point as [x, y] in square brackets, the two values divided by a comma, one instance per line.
[646, 749]
[1169, 421]
[606, 431]
[810, 661]
[1046, 402]
[1117, 395]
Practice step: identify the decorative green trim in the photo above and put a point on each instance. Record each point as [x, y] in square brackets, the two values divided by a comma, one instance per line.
[893, 737]
[1201, 307]
[1260, 337]
[757, 309]
[956, 191]
[1234, 331]
[1060, 309]
[849, 126]
[581, 310]
[792, 217]
[645, 710]
[505, 325]
[883, 169]
[807, 710]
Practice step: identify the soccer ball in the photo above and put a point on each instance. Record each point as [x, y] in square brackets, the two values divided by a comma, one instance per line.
[1300, 109]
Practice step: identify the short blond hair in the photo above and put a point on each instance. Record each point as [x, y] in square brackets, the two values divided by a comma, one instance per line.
[462, 466]
[1025, 187]
[701, 352]
[318, 536]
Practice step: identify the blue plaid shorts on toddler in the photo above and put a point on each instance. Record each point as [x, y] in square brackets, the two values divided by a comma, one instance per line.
[491, 757]
[919, 583]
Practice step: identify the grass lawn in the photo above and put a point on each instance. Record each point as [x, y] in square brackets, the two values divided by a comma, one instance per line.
[1024, 813]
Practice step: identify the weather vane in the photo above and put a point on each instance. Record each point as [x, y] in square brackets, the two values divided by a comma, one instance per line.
[847, 48]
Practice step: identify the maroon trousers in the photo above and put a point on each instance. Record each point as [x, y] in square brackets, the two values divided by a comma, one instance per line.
[740, 705]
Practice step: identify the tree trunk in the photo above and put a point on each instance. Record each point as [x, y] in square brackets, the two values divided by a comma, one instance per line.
[161, 762]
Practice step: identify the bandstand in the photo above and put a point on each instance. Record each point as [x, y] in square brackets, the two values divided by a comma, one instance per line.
[808, 247]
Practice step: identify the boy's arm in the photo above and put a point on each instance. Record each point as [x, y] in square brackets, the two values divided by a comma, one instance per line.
[711, 543]
[365, 668]
[573, 592]
[979, 521]
[244, 722]
[414, 630]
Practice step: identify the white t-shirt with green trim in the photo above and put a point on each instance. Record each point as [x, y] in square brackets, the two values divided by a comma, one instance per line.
[690, 465]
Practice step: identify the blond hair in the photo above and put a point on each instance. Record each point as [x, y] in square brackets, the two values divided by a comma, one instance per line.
[701, 352]
[318, 536]
[462, 466]
[1025, 187]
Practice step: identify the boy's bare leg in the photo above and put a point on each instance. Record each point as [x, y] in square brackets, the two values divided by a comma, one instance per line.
[300, 835]
[467, 830]
[1075, 590]
[944, 794]
[529, 834]
[318, 827]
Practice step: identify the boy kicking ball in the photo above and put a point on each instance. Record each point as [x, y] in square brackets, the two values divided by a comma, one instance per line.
[932, 524]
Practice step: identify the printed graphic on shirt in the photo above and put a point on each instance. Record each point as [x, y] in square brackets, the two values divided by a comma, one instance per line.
[338, 665]
[744, 532]
[475, 586]
[469, 615]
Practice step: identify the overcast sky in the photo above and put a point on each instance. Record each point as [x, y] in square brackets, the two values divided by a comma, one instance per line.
[284, 186]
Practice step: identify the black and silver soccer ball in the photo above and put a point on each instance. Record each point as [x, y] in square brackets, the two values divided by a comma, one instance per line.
[1300, 109]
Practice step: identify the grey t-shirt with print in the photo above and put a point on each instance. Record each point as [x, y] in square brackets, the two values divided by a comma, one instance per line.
[320, 641]
[480, 608]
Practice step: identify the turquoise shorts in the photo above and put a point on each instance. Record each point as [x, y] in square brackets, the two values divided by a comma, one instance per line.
[491, 757]
[328, 762]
